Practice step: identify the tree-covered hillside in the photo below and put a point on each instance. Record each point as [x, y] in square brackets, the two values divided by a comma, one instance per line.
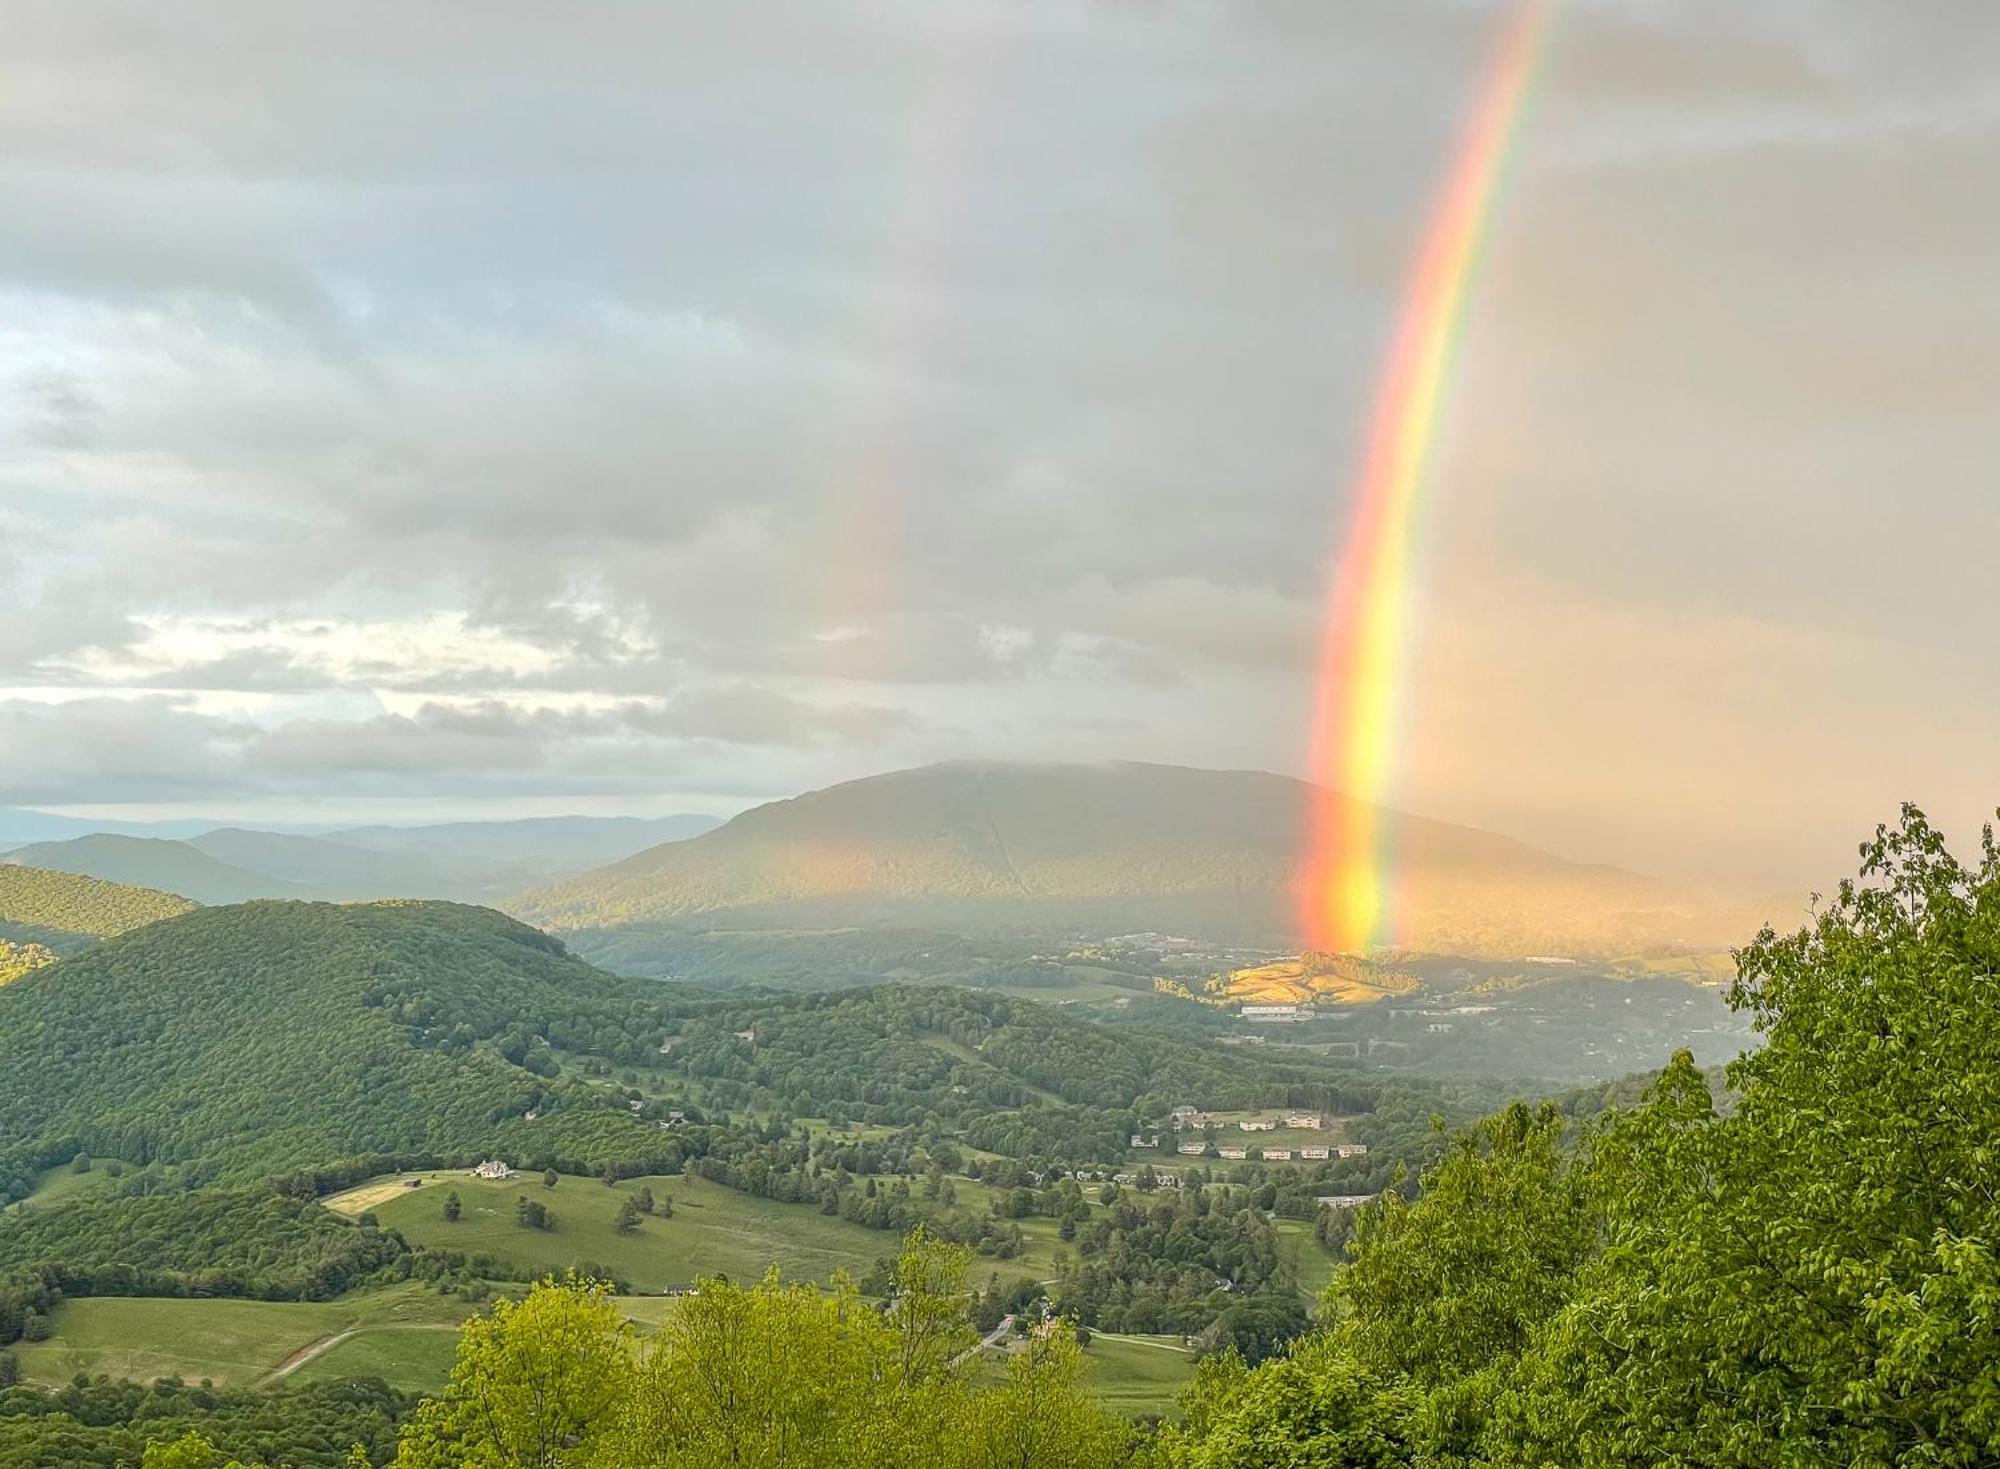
[241, 1041]
[233, 1043]
[153, 862]
[64, 909]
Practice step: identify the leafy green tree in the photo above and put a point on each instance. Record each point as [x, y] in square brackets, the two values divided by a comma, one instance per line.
[533, 1213]
[535, 1385]
[550, 1178]
[929, 1310]
[452, 1207]
[1806, 1277]
[190, 1451]
[1811, 1277]
[1040, 1418]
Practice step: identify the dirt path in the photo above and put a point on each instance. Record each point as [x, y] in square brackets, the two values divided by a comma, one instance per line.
[315, 1349]
[1139, 1341]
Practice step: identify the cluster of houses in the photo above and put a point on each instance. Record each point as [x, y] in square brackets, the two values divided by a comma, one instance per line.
[1272, 1014]
[1185, 1119]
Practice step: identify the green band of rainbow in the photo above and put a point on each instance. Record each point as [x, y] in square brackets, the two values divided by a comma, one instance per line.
[1345, 902]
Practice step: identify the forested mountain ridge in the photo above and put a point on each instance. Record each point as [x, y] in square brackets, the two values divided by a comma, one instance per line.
[245, 1040]
[1105, 849]
[65, 910]
[234, 1043]
[153, 862]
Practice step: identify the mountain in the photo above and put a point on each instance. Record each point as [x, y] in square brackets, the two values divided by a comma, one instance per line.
[19, 826]
[64, 910]
[267, 1036]
[330, 868]
[1103, 849]
[557, 843]
[466, 861]
[153, 862]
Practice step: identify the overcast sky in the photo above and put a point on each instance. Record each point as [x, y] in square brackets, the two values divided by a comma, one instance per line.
[418, 410]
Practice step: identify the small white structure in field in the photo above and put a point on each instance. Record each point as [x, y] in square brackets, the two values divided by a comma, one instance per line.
[493, 1168]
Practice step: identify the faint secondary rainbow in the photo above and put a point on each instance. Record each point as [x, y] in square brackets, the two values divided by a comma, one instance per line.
[1361, 663]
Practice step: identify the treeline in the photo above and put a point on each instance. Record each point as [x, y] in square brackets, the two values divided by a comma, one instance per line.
[1809, 1276]
[259, 1243]
[66, 904]
[110, 1424]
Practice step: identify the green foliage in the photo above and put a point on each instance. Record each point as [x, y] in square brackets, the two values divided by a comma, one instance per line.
[536, 1383]
[19, 959]
[1176, 1260]
[222, 1242]
[764, 1375]
[36, 903]
[170, 1423]
[235, 1042]
[1806, 1278]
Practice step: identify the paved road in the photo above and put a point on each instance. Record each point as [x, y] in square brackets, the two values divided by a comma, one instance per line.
[992, 1338]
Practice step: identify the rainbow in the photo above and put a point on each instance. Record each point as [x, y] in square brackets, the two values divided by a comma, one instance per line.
[1361, 663]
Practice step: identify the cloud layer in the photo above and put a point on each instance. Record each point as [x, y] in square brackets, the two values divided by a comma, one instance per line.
[661, 404]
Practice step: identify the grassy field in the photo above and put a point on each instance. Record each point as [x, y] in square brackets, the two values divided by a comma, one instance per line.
[1297, 1244]
[1137, 1375]
[65, 1186]
[714, 1230]
[241, 1343]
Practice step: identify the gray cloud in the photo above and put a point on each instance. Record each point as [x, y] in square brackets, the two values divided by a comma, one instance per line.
[759, 394]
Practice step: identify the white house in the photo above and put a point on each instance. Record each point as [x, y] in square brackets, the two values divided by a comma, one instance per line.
[1350, 1150]
[1303, 1119]
[1233, 1152]
[1265, 1126]
[1345, 1201]
[1277, 1155]
[1311, 1153]
[493, 1168]
[1194, 1149]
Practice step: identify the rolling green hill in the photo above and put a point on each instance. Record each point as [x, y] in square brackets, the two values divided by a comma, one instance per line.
[65, 910]
[329, 869]
[268, 1036]
[1104, 849]
[152, 862]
